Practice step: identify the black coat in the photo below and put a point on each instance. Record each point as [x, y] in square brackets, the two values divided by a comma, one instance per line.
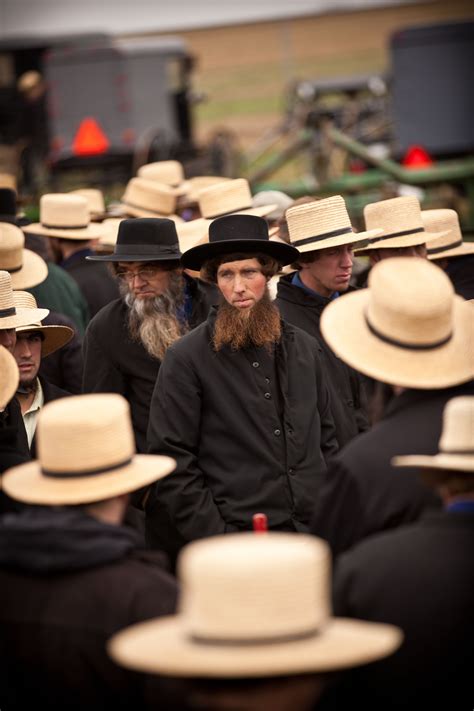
[461, 272]
[67, 583]
[348, 398]
[246, 439]
[421, 578]
[95, 280]
[50, 392]
[362, 493]
[115, 363]
[63, 368]
[14, 448]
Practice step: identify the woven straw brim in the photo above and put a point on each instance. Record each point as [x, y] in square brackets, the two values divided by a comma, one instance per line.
[352, 238]
[92, 231]
[23, 317]
[26, 483]
[195, 257]
[33, 272]
[414, 240]
[461, 251]
[458, 462]
[345, 329]
[162, 647]
[55, 337]
[139, 212]
[9, 377]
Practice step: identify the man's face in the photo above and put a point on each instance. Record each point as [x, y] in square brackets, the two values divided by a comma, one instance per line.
[8, 338]
[330, 272]
[242, 283]
[27, 354]
[144, 280]
[378, 254]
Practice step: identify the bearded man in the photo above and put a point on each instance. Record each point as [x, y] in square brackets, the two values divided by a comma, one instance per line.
[240, 402]
[127, 339]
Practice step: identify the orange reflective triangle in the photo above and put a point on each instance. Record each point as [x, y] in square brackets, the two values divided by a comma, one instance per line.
[417, 157]
[90, 139]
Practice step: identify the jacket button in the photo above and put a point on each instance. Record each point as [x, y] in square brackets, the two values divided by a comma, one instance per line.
[290, 471]
[277, 432]
[268, 396]
[255, 364]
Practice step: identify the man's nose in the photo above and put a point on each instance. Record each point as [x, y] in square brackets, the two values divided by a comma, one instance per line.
[239, 283]
[346, 259]
[22, 349]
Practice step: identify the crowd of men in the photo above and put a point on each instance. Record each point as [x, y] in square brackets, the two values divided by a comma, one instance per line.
[231, 479]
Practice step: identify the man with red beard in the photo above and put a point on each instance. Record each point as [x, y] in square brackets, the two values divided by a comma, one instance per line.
[239, 403]
[126, 341]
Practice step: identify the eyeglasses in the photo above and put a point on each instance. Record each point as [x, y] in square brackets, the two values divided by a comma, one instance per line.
[143, 274]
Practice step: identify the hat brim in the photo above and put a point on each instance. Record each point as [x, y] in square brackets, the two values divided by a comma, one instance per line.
[163, 646]
[457, 462]
[92, 231]
[55, 337]
[414, 240]
[26, 482]
[114, 257]
[140, 212]
[195, 257]
[345, 329]
[23, 317]
[463, 249]
[33, 271]
[10, 377]
[351, 238]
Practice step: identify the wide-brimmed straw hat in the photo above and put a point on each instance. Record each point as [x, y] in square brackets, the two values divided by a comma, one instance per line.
[167, 172]
[110, 228]
[401, 224]
[65, 216]
[456, 446]
[95, 202]
[322, 224]
[147, 198]
[27, 268]
[86, 453]
[143, 239]
[451, 243]
[198, 183]
[10, 316]
[238, 233]
[253, 605]
[54, 337]
[9, 377]
[408, 328]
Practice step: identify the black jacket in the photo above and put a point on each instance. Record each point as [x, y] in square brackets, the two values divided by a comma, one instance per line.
[95, 280]
[114, 363]
[348, 398]
[67, 583]
[50, 392]
[63, 368]
[14, 448]
[362, 493]
[461, 272]
[421, 578]
[246, 439]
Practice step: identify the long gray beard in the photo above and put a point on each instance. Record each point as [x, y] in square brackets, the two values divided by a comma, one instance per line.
[154, 322]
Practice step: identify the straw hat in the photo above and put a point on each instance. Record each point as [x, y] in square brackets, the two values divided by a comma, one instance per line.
[147, 198]
[199, 183]
[65, 216]
[27, 268]
[451, 244]
[110, 228]
[408, 328]
[456, 446]
[253, 605]
[10, 315]
[86, 453]
[275, 197]
[401, 224]
[167, 172]
[7, 180]
[95, 201]
[322, 224]
[55, 337]
[9, 377]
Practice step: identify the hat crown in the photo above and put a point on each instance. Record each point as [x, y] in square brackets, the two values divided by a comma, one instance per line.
[24, 300]
[442, 220]
[410, 302]
[6, 291]
[85, 434]
[12, 241]
[152, 231]
[229, 196]
[169, 172]
[64, 211]
[149, 195]
[317, 218]
[394, 215]
[94, 197]
[238, 227]
[458, 426]
[242, 587]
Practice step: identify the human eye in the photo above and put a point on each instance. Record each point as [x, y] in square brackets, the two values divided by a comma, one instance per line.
[250, 273]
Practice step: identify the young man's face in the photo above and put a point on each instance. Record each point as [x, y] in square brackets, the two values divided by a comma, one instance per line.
[8, 338]
[330, 271]
[242, 283]
[144, 280]
[27, 354]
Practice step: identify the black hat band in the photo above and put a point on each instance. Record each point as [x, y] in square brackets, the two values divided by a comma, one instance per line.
[146, 249]
[452, 245]
[409, 346]
[11, 311]
[392, 235]
[325, 235]
[64, 227]
[85, 472]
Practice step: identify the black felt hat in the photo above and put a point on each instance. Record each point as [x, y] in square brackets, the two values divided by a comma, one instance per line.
[238, 233]
[8, 206]
[144, 239]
